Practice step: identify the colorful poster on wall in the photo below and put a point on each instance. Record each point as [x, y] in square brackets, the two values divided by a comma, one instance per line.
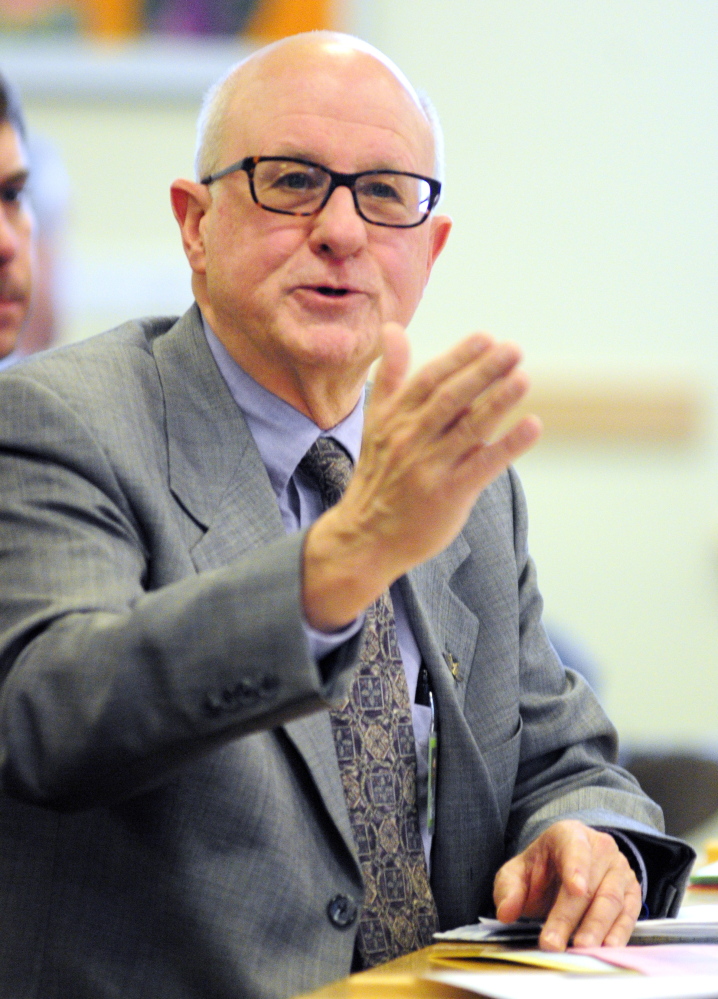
[262, 19]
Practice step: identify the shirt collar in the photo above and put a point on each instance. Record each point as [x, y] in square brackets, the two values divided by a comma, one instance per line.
[282, 434]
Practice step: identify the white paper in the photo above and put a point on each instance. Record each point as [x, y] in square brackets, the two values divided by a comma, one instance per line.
[550, 985]
[698, 914]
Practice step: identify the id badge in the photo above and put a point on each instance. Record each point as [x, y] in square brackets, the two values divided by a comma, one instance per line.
[432, 768]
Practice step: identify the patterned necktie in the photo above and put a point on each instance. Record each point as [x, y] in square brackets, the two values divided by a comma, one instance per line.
[374, 740]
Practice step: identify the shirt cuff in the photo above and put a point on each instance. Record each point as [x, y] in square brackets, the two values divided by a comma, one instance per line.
[322, 643]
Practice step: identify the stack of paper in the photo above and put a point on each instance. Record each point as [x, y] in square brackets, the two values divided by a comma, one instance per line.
[695, 924]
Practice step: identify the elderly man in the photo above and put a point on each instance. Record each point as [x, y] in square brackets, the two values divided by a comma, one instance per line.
[15, 221]
[227, 660]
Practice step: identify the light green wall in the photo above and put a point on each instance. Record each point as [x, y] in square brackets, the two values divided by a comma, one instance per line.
[582, 156]
[582, 147]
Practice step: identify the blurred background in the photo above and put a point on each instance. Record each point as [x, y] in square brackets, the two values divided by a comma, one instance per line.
[582, 176]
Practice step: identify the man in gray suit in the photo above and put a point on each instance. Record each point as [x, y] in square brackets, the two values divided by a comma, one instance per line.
[178, 613]
[15, 221]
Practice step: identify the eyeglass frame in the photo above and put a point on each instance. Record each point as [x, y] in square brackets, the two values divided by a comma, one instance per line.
[249, 163]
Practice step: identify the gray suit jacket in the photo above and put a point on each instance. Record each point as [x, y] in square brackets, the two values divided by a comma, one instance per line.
[172, 821]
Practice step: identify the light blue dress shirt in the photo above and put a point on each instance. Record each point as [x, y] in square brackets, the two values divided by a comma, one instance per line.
[283, 435]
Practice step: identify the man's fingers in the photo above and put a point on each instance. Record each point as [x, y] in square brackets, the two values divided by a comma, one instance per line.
[573, 858]
[599, 894]
[485, 463]
[394, 364]
[412, 468]
[456, 401]
[477, 425]
[510, 890]
[472, 396]
[441, 369]
[564, 917]
[614, 909]
[620, 932]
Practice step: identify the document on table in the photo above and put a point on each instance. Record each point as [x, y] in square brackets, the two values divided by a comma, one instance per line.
[661, 959]
[695, 924]
[466, 957]
[552, 985]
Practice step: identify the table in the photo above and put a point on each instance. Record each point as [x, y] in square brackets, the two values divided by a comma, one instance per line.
[401, 978]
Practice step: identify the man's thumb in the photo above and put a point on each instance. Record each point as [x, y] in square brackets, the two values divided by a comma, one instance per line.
[395, 359]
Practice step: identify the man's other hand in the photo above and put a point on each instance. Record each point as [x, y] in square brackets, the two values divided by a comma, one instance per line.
[577, 880]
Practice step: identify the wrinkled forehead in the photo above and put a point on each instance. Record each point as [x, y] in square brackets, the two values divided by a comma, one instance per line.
[341, 94]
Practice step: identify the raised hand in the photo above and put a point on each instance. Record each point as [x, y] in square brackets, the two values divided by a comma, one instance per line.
[427, 453]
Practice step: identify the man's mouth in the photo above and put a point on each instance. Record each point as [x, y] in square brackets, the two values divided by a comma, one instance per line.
[329, 292]
[332, 292]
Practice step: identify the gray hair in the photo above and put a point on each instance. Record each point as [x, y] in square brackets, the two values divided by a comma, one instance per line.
[210, 124]
[437, 133]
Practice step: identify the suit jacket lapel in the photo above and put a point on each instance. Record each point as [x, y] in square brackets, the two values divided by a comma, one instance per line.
[454, 628]
[468, 816]
[216, 472]
[313, 739]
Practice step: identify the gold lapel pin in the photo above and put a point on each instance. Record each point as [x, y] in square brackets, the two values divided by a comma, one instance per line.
[453, 665]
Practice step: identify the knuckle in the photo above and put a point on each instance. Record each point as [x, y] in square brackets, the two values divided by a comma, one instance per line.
[624, 924]
[606, 843]
[564, 920]
[424, 382]
[612, 896]
[449, 400]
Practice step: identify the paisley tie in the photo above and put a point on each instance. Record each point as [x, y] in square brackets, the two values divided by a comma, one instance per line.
[374, 740]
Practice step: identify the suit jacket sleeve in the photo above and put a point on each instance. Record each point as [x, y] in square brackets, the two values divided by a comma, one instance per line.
[567, 765]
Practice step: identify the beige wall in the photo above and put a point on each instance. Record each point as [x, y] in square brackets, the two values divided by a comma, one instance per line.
[582, 150]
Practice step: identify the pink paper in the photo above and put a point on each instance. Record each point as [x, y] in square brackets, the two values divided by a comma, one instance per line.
[659, 959]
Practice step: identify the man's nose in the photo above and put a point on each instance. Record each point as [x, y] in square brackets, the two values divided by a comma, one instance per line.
[338, 228]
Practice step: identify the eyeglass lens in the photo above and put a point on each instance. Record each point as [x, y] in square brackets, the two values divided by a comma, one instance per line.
[386, 198]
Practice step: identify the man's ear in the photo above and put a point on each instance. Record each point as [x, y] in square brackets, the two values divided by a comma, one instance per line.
[190, 202]
[440, 229]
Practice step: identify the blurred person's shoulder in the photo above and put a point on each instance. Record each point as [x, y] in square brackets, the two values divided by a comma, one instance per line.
[109, 373]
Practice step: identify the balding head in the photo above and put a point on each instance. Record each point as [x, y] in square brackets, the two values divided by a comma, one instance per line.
[300, 55]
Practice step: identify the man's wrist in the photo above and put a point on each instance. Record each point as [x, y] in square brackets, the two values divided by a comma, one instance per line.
[340, 579]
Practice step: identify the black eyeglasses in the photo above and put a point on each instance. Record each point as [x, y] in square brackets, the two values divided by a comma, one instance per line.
[300, 187]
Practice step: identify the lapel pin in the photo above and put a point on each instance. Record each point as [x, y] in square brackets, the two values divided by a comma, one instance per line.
[453, 665]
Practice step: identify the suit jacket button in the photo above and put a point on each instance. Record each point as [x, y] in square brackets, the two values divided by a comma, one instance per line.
[342, 911]
[213, 704]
